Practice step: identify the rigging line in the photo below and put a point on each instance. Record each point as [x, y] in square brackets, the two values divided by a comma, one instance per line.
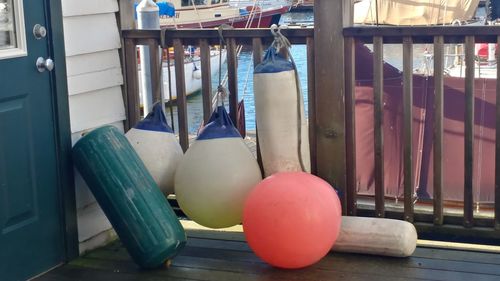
[197, 13]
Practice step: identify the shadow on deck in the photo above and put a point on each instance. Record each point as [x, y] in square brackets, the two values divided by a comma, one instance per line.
[213, 257]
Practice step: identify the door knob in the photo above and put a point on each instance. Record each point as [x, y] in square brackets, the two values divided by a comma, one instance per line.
[39, 31]
[44, 64]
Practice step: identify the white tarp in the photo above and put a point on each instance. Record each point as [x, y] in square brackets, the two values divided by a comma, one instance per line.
[413, 12]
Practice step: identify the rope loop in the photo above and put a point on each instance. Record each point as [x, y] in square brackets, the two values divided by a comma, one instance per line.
[280, 41]
[221, 95]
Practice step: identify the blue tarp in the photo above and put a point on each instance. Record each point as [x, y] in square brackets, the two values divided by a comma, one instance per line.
[166, 9]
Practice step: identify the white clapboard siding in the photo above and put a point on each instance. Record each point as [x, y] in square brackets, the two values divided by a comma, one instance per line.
[94, 72]
[94, 81]
[91, 222]
[96, 108]
[92, 62]
[90, 34]
[78, 135]
[88, 7]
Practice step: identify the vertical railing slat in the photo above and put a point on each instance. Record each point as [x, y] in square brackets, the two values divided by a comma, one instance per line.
[232, 72]
[438, 128]
[132, 80]
[497, 146]
[378, 103]
[257, 59]
[154, 62]
[180, 86]
[408, 127]
[350, 128]
[311, 102]
[469, 132]
[206, 79]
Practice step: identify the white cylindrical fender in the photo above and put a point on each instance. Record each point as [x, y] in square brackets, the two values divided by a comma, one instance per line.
[376, 236]
[281, 123]
[158, 148]
[216, 174]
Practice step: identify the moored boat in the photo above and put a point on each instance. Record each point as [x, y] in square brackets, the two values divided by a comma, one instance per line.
[192, 73]
[213, 13]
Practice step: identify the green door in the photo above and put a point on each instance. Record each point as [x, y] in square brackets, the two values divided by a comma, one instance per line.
[31, 234]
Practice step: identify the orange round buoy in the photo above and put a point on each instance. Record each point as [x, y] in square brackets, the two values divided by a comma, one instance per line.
[292, 220]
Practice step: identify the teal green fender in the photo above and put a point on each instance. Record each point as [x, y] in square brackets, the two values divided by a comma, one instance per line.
[130, 198]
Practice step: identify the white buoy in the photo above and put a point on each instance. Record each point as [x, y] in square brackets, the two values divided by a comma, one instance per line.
[279, 109]
[216, 174]
[376, 236]
[157, 147]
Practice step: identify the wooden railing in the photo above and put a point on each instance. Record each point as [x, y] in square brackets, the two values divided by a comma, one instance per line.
[340, 138]
[477, 228]
[178, 39]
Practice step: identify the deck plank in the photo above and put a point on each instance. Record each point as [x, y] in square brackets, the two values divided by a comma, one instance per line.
[79, 273]
[212, 259]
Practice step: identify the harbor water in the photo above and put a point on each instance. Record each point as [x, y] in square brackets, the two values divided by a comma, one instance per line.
[245, 81]
[393, 54]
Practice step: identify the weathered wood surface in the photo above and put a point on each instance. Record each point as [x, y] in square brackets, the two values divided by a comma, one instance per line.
[378, 124]
[408, 127]
[469, 133]
[438, 129]
[212, 259]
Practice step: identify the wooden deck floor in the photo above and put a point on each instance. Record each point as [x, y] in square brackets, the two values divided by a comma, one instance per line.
[214, 259]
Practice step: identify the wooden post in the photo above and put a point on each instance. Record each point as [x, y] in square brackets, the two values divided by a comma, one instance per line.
[469, 133]
[232, 81]
[378, 124]
[438, 129]
[408, 127]
[330, 17]
[497, 148]
[127, 14]
[180, 84]
[350, 124]
[206, 80]
[131, 77]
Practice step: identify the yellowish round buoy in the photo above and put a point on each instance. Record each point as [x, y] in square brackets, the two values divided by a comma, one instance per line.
[216, 174]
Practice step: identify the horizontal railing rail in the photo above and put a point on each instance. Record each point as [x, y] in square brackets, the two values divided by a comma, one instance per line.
[423, 34]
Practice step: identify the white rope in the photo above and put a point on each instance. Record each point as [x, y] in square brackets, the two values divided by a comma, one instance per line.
[197, 13]
[280, 41]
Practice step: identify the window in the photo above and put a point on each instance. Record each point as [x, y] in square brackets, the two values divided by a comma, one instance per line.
[215, 2]
[12, 34]
[185, 3]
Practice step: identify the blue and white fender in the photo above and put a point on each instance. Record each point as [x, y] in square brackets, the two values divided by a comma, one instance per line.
[216, 174]
[279, 109]
[155, 142]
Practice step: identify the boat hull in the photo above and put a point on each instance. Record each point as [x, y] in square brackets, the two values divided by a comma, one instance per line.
[192, 79]
[262, 19]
